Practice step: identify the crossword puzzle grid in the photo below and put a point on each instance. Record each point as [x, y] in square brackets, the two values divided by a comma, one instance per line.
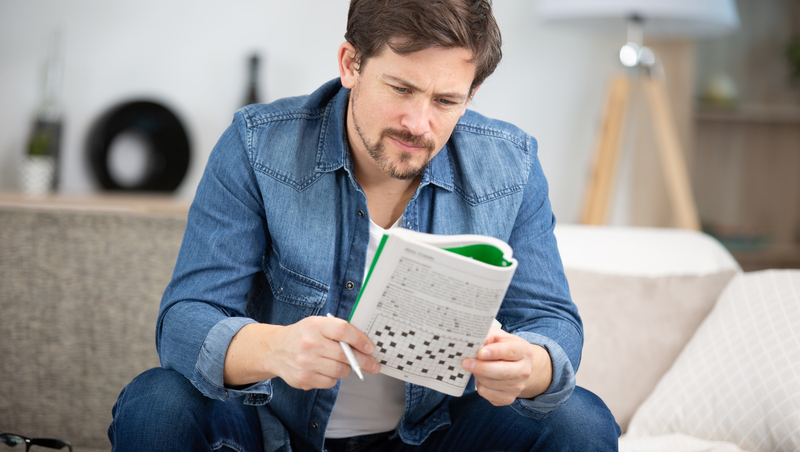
[434, 356]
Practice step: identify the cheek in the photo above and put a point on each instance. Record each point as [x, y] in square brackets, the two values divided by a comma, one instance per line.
[380, 111]
[444, 128]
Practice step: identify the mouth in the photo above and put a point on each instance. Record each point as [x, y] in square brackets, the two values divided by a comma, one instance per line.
[406, 146]
[407, 142]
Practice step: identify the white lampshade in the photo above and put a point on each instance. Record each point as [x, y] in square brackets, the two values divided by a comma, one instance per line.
[661, 18]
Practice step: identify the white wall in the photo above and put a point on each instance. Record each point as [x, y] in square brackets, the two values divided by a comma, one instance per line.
[191, 55]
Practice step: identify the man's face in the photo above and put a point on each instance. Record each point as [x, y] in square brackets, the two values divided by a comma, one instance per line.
[403, 108]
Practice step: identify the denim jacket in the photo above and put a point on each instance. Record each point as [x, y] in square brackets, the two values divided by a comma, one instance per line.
[279, 228]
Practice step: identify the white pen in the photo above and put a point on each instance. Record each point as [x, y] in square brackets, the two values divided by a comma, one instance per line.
[351, 358]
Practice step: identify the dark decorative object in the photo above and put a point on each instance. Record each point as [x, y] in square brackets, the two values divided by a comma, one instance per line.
[167, 159]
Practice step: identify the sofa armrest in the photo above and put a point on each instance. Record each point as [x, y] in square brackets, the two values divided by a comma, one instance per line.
[79, 296]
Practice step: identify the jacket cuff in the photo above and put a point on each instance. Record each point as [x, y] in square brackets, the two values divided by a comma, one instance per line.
[560, 388]
[208, 372]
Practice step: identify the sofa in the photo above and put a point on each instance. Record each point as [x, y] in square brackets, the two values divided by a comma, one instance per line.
[80, 284]
[674, 341]
[689, 352]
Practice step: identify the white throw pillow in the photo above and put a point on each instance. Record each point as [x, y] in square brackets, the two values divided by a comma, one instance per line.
[738, 379]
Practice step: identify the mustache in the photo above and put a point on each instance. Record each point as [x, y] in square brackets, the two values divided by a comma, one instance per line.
[408, 137]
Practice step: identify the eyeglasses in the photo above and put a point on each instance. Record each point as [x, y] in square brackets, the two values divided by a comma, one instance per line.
[10, 441]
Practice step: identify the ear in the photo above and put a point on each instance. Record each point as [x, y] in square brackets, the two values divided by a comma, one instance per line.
[471, 95]
[347, 65]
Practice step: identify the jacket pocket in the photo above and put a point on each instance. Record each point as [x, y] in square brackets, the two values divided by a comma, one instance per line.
[289, 296]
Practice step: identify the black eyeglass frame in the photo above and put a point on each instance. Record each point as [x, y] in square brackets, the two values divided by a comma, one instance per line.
[50, 443]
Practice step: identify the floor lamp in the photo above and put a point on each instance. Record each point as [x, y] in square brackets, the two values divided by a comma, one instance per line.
[659, 18]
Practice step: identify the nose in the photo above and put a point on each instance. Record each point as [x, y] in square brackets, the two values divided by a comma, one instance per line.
[418, 117]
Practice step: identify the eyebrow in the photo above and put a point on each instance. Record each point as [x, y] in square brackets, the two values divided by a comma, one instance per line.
[448, 95]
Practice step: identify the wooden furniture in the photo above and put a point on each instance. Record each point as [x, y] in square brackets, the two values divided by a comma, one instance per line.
[747, 176]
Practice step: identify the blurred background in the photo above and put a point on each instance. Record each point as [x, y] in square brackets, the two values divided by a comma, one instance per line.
[735, 98]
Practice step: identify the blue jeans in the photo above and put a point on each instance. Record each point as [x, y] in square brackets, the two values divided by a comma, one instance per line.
[161, 410]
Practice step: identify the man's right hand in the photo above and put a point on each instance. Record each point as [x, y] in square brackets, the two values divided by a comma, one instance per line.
[306, 355]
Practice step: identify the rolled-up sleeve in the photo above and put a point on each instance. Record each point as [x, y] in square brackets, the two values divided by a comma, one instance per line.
[560, 388]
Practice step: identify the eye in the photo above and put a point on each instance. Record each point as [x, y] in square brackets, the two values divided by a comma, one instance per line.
[446, 102]
[400, 89]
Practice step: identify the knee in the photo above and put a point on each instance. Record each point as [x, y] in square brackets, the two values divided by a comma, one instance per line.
[586, 419]
[157, 403]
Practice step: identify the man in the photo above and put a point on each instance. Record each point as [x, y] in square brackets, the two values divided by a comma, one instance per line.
[294, 199]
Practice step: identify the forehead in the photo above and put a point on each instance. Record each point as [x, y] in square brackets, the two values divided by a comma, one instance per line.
[452, 66]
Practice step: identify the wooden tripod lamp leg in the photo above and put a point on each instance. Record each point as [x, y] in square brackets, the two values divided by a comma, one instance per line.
[598, 193]
[673, 163]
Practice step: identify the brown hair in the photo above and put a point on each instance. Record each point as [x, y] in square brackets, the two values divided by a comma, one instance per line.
[408, 26]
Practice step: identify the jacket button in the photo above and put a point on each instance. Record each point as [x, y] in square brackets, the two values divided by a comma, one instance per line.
[349, 285]
[315, 426]
[361, 213]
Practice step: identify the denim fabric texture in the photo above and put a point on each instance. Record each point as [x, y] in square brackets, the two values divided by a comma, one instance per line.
[193, 422]
[279, 227]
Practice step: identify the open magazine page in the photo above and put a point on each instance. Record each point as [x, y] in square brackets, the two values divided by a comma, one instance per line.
[426, 309]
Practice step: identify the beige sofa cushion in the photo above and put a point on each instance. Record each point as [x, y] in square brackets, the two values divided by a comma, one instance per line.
[641, 293]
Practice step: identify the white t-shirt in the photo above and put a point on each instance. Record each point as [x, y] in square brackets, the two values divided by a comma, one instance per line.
[376, 404]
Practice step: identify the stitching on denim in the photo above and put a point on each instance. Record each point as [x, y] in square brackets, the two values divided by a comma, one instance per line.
[475, 200]
[228, 444]
[489, 131]
[265, 118]
[323, 132]
[279, 177]
[305, 280]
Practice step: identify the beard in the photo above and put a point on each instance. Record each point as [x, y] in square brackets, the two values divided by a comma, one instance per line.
[402, 167]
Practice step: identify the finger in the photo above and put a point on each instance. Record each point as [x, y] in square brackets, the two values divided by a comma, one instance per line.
[306, 348]
[512, 371]
[506, 349]
[322, 375]
[494, 396]
[500, 387]
[334, 368]
[366, 362]
[495, 335]
[340, 330]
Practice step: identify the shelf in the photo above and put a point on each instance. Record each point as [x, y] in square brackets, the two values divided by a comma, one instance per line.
[746, 163]
[766, 114]
[117, 203]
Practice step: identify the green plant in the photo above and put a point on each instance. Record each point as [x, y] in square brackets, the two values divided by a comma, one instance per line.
[793, 56]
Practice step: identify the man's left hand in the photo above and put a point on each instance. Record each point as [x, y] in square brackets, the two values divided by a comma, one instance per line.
[509, 367]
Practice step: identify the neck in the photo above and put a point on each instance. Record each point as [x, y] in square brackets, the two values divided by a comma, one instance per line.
[386, 197]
